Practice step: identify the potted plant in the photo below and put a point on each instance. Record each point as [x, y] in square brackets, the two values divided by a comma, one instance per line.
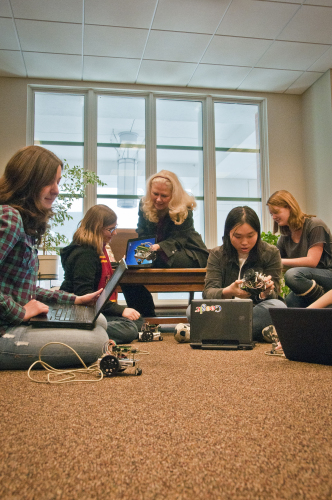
[273, 240]
[74, 182]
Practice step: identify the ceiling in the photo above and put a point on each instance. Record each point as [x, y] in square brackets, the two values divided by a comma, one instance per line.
[247, 45]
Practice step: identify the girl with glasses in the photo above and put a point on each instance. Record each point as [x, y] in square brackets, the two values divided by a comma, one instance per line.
[87, 268]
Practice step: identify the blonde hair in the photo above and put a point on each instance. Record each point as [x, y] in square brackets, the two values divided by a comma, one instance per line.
[296, 219]
[180, 201]
[90, 229]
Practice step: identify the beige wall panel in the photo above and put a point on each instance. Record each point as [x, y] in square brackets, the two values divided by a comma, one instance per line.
[285, 145]
[13, 106]
[317, 141]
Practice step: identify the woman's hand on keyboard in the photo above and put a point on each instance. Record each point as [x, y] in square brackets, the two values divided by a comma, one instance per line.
[33, 308]
[89, 299]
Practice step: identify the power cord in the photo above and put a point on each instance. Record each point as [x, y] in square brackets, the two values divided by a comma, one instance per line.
[67, 375]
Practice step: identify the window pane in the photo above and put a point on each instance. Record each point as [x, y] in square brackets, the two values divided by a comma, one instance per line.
[59, 127]
[179, 147]
[121, 155]
[237, 159]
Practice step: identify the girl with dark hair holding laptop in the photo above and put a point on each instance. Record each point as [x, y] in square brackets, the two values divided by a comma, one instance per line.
[242, 250]
[166, 213]
[28, 188]
[305, 246]
[87, 268]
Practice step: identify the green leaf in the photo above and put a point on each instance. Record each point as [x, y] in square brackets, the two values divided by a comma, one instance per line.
[73, 185]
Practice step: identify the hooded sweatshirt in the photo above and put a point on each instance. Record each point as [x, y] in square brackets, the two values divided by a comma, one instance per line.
[83, 270]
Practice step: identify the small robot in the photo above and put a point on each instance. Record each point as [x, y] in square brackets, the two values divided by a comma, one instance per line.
[144, 252]
[116, 359]
[253, 282]
[149, 333]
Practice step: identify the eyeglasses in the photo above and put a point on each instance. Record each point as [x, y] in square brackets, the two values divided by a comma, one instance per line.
[111, 230]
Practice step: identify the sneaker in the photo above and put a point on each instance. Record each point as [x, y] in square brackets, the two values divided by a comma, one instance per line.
[270, 334]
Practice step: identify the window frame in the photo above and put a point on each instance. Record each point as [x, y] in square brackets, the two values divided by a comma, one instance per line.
[209, 161]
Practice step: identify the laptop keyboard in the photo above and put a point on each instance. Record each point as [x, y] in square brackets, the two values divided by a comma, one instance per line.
[73, 313]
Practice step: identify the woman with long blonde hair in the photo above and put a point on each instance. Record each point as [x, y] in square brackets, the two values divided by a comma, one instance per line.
[88, 268]
[166, 213]
[305, 246]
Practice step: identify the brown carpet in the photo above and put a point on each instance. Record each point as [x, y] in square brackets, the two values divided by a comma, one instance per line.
[194, 425]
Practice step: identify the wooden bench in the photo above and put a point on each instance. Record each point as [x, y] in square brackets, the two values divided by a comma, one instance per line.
[167, 280]
[158, 280]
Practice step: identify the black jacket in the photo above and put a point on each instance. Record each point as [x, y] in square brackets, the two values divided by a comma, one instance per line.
[175, 237]
[82, 267]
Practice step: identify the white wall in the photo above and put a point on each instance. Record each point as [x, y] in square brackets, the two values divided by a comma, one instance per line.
[317, 145]
[284, 114]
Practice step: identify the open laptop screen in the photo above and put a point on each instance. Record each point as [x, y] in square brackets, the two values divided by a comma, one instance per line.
[137, 250]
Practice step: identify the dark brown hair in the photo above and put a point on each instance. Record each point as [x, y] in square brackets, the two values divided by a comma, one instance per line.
[237, 217]
[30, 170]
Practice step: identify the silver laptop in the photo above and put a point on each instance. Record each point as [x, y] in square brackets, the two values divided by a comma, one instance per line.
[305, 334]
[78, 316]
[221, 324]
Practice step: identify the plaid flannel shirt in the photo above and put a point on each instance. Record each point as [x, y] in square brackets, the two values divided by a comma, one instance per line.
[19, 271]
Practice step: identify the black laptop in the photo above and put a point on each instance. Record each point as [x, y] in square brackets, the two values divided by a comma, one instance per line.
[305, 334]
[138, 253]
[78, 316]
[221, 324]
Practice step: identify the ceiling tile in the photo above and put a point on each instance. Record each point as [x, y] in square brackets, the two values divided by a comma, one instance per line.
[70, 11]
[175, 46]
[125, 13]
[269, 80]
[165, 73]
[310, 24]
[110, 69]
[235, 51]
[5, 9]
[324, 62]
[215, 76]
[115, 42]
[42, 36]
[11, 63]
[251, 18]
[291, 55]
[303, 82]
[195, 16]
[324, 3]
[59, 66]
[8, 38]
[285, 1]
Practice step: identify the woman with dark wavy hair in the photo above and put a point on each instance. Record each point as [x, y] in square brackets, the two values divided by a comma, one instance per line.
[28, 188]
[242, 250]
[305, 246]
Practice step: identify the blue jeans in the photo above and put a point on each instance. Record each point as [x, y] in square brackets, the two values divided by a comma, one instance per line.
[299, 280]
[260, 316]
[123, 330]
[20, 346]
